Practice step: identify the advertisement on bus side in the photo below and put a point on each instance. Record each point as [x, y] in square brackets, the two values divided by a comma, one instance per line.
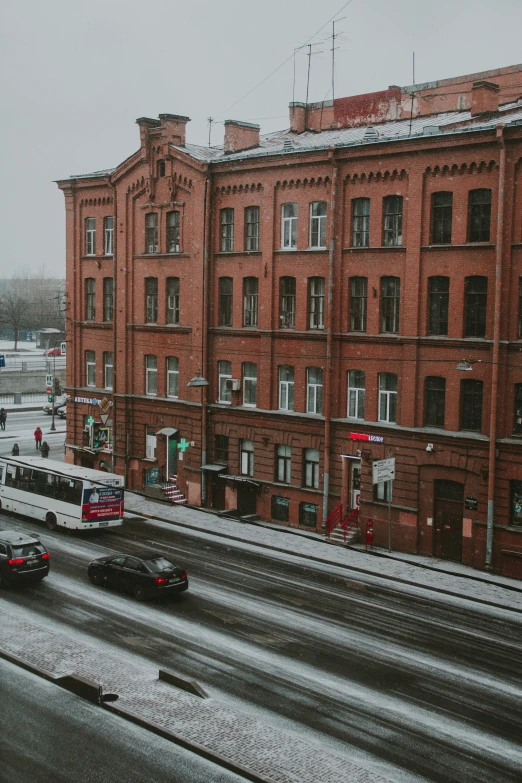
[102, 503]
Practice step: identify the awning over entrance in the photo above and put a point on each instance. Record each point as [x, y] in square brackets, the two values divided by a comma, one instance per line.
[241, 480]
[214, 468]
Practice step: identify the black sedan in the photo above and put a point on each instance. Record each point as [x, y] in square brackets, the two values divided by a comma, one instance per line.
[144, 574]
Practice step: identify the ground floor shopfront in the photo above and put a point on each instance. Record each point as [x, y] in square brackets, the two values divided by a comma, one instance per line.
[273, 466]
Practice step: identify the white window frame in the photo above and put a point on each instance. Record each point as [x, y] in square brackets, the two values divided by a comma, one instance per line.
[172, 376]
[90, 236]
[108, 376]
[318, 226]
[224, 396]
[247, 458]
[385, 400]
[173, 300]
[151, 232]
[108, 299]
[283, 464]
[249, 384]
[108, 235]
[286, 390]
[151, 445]
[316, 286]
[356, 398]
[227, 225]
[288, 227]
[311, 468]
[90, 368]
[313, 395]
[174, 231]
[151, 375]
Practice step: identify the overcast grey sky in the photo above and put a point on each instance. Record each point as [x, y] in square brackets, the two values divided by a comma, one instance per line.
[75, 75]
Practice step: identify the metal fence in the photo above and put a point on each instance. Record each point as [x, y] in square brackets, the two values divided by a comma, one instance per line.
[34, 398]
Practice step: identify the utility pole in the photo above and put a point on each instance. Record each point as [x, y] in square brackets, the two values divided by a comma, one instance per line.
[210, 121]
[53, 427]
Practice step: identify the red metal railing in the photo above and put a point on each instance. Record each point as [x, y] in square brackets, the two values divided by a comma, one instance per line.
[336, 518]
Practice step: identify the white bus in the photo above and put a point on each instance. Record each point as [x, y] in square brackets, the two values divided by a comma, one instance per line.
[59, 494]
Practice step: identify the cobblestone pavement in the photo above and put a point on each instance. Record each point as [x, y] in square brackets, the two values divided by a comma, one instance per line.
[461, 582]
[244, 742]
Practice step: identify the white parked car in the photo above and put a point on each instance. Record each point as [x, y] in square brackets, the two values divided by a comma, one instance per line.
[61, 412]
[59, 402]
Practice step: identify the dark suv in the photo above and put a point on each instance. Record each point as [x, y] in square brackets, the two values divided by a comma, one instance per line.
[23, 558]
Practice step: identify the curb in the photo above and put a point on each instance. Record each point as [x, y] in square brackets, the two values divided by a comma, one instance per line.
[127, 714]
[358, 569]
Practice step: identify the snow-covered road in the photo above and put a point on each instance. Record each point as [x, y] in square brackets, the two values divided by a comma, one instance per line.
[403, 682]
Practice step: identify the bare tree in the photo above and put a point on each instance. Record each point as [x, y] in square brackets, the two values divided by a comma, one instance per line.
[14, 312]
[32, 300]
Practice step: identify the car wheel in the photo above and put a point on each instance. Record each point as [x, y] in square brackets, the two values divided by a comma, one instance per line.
[50, 521]
[139, 593]
[96, 578]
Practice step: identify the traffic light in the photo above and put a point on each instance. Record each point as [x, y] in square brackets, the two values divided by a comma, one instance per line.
[49, 398]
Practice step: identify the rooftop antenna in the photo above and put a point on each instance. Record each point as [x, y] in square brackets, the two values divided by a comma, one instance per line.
[210, 121]
[412, 94]
[334, 36]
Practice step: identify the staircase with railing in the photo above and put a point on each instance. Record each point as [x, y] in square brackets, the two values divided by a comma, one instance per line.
[172, 491]
[339, 530]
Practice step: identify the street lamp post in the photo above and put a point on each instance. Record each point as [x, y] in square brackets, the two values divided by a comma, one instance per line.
[53, 427]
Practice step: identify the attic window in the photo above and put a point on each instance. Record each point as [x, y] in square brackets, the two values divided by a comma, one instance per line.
[161, 168]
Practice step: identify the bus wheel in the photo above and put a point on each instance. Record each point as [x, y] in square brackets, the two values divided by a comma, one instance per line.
[50, 521]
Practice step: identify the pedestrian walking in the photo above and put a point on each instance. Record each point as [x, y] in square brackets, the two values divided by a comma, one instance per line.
[45, 449]
[38, 435]
[16, 450]
[3, 417]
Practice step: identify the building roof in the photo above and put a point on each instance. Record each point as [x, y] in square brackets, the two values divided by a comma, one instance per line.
[287, 142]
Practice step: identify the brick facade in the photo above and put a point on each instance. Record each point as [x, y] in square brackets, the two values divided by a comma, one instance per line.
[327, 327]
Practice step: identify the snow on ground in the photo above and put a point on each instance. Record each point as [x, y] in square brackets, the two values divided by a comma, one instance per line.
[201, 524]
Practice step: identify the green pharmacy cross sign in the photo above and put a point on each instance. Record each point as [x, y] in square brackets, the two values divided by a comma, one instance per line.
[183, 445]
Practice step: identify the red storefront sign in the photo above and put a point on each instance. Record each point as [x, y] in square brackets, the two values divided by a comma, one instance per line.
[370, 438]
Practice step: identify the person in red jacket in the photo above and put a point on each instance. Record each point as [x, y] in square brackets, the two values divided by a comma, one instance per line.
[38, 435]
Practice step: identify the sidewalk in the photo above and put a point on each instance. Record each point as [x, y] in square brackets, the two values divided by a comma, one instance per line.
[232, 739]
[454, 579]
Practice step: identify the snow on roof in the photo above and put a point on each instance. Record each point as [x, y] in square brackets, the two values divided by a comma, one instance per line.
[288, 142]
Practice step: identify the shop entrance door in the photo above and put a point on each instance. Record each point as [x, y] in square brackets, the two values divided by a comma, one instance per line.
[217, 492]
[246, 500]
[448, 515]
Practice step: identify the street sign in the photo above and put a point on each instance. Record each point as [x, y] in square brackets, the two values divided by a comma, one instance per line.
[48, 380]
[105, 405]
[104, 417]
[2, 360]
[383, 470]
[63, 348]
[49, 390]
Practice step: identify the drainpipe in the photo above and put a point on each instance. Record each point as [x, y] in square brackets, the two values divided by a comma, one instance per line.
[114, 320]
[329, 341]
[496, 347]
[204, 334]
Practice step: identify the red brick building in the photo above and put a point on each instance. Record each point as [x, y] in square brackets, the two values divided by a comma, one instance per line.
[351, 288]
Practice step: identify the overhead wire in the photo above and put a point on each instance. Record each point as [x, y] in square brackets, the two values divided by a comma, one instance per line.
[284, 62]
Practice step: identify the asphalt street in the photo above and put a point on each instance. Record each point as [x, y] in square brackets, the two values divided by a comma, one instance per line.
[20, 427]
[411, 683]
[48, 735]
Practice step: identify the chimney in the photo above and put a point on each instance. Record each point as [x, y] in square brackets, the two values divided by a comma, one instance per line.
[173, 127]
[240, 136]
[145, 125]
[484, 97]
[298, 117]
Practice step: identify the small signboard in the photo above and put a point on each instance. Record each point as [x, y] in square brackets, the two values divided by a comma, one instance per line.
[104, 417]
[383, 470]
[369, 438]
[63, 348]
[471, 503]
[48, 380]
[105, 405]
